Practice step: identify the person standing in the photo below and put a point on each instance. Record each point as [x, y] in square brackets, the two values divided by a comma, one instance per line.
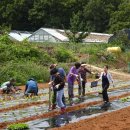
[83, 79]
[62, 73]
[58, 84]
[71, 78]
[106, 80]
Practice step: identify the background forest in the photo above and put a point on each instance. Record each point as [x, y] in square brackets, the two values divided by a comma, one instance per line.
[95, 15]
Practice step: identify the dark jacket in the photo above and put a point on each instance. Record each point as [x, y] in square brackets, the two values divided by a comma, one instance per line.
[84, 73]
[58, 80]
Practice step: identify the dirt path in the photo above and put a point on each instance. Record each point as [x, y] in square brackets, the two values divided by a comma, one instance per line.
[116, 74]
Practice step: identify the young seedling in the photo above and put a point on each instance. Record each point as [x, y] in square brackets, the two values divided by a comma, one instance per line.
[19, 126]
[21, 113]
[15, 116]
[5, 118]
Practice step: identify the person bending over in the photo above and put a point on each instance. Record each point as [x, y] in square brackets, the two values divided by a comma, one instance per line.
[31, 87]
[8, 86]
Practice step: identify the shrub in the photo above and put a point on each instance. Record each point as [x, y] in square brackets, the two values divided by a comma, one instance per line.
[19, 126]
[22, 71]
[63, 55]
[121, 39]
[5, 39]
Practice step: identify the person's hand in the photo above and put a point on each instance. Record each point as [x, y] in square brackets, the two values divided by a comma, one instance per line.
[76, 76]
[57, 86]
[81, 79]
[50, 83]
[13, 90]
[96, 80]
[92, 73]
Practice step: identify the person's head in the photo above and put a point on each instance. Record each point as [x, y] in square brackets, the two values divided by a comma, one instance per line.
[77, 65]
[31, 79]
[54, 72]
[83, 65]
[52, 66]
[105, 68]
[12, 80]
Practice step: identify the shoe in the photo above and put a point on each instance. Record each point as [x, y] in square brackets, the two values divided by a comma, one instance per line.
[105, 104]
[63, 110]
[53, 107]
[73, 104]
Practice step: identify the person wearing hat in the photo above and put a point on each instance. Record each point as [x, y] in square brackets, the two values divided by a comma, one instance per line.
[62, 74]
[31, 87]
[58, 85]
[8, 86]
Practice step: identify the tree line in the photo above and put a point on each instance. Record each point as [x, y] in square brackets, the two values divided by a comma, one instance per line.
[81, 15]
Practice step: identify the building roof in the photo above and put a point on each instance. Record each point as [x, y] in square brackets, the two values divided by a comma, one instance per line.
[19, 35]
[56, 33]
[97, 38]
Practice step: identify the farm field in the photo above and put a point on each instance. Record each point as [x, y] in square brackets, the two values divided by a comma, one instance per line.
[34, 111]
[64, 64]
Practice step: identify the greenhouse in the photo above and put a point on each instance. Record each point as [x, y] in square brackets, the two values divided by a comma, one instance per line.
[48, 35]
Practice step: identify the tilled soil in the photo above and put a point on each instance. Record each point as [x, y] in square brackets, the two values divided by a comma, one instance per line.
[117, 120]
[54, 113]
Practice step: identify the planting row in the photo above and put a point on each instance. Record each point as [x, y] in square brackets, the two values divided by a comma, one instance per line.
[17, 99]
[14, 115]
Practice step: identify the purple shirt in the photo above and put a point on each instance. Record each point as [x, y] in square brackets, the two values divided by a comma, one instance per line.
[72, 78]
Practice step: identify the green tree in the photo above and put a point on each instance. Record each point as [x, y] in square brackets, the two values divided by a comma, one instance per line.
[48, 13]
[97, 13]
[78, 29]
[120, 19]
[15, 13]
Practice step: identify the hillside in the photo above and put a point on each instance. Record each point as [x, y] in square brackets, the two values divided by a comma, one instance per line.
[25, 60]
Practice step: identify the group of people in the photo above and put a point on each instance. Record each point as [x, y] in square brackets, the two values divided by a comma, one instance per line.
[78, 73]
[30, 87]
[58, 78]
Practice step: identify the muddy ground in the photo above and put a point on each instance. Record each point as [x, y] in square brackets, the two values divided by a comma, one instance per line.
[117, 120]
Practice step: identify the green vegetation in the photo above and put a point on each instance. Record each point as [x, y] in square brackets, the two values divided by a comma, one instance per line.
[24, 60]
[19, 126]
[125, 99]
[94, 15]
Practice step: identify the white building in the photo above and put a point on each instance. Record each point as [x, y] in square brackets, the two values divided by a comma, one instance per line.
[48, 35]
[19, 35]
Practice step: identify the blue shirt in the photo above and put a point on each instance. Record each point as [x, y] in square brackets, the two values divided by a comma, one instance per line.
[31, 84]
